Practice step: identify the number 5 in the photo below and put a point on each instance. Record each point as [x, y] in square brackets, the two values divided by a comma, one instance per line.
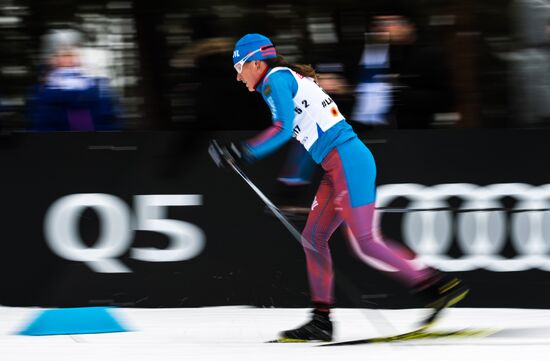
[186, 239]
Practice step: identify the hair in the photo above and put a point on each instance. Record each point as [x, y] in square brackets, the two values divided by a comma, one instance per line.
[302, 69]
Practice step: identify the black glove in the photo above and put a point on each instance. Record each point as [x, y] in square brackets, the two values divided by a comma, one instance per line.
[236, 151]
[229, 153]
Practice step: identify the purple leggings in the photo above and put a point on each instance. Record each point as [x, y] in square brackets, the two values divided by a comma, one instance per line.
[331, 207]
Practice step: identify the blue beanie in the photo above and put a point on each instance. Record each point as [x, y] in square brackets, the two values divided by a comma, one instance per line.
[251, 42]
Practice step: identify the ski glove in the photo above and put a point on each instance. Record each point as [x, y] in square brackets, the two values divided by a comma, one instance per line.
[225, 154]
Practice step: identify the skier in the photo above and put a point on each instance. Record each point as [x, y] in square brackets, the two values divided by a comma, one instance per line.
[301, 109]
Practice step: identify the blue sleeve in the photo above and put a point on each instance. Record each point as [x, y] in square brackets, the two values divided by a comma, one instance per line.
[278, 92]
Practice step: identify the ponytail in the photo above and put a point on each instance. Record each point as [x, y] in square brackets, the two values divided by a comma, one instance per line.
[302, 69]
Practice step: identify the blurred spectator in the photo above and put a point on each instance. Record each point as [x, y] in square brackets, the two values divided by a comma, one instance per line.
[403, 81]
[530, 62]
[373, 92]
[67, 97]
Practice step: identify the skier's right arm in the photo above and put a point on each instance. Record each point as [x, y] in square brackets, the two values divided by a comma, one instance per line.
[278, 92]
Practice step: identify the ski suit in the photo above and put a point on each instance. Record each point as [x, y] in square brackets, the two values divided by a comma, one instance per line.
[347, 193]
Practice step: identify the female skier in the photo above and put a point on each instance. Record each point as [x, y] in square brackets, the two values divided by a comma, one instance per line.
[301, 109]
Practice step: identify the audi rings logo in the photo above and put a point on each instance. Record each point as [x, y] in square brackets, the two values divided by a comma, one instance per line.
[481, 225]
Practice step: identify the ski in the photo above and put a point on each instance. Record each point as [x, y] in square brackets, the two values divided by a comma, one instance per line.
[290, 340]
[418, 334]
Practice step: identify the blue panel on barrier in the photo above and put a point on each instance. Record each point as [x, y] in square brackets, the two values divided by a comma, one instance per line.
[69, 321]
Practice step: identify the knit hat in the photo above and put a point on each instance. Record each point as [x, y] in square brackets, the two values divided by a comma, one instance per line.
[250, 43]
[60, 39]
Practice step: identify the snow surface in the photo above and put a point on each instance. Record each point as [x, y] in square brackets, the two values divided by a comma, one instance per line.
[239, 333]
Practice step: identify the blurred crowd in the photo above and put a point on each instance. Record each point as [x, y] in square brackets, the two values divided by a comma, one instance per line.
[104, 65]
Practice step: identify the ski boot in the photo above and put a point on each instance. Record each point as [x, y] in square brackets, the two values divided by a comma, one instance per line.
[439, 293]
[318, 329]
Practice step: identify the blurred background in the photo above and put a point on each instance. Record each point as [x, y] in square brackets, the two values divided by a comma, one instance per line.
[166, 65]
[131, 69]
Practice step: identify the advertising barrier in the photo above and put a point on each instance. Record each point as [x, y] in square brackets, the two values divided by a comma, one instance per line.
[147, 220]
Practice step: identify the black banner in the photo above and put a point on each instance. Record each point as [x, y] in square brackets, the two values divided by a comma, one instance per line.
[147, 220]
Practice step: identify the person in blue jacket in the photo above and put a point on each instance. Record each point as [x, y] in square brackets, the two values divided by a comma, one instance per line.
[68, 99]
[347, 193]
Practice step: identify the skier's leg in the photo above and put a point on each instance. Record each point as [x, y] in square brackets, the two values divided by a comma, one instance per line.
[353, 172]
[322, 221]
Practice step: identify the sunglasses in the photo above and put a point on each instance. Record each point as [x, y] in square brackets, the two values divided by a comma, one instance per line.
[267, 50]
[239, 65]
